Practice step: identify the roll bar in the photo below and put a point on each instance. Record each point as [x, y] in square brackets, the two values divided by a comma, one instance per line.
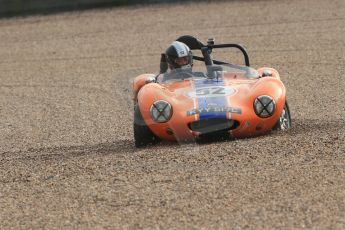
[206, 50]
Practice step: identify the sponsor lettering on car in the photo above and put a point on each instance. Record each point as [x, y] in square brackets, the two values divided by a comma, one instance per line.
[211, 109]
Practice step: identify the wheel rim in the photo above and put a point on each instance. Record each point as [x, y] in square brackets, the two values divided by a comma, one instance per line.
[284, 119]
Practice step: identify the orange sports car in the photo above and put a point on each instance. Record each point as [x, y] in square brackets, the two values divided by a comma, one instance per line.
[216, 99]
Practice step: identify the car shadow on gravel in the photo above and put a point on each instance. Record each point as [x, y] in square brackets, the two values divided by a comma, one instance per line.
[45, 153]
[126, 146]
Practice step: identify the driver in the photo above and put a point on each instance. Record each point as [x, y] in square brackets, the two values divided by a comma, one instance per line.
[177, 59]
[178, 55]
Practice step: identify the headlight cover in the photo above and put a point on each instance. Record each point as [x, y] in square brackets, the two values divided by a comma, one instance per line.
[264, 106]
[161, 111]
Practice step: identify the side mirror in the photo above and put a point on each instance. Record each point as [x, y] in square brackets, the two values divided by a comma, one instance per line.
[267, 73]
[150, 80]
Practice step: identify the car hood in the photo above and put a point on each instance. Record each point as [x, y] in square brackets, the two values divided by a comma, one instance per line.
[211, 97]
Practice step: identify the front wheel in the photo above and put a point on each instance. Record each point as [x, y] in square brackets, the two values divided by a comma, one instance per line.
[143, 136]
[284, 121]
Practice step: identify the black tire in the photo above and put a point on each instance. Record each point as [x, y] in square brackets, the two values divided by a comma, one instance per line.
[284, 121]
[143, 136]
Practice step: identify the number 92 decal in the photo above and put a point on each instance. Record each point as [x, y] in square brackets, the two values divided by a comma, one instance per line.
[213, 91]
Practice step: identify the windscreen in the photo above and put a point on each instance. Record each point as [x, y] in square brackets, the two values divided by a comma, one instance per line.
[208, 72]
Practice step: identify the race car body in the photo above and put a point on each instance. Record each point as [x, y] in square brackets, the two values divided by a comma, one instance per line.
[223, 100]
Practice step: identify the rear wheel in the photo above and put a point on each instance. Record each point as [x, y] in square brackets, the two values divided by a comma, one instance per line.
[284, 121]
[143, 136]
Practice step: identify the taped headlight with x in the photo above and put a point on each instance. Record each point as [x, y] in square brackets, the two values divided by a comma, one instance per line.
[161, 111]
[264, 106]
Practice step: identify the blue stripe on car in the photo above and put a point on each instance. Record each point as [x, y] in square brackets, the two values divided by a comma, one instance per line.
[205, 101]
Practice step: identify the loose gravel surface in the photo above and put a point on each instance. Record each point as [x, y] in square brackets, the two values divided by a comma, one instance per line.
[67, 155]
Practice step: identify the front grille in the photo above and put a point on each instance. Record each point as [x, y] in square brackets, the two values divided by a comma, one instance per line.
[211, 125]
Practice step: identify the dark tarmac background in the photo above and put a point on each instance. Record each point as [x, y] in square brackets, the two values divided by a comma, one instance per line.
[67, 156]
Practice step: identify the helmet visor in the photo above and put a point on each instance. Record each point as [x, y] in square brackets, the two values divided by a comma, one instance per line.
[181, 61]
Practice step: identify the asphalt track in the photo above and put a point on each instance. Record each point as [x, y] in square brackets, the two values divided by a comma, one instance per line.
[67, 156]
